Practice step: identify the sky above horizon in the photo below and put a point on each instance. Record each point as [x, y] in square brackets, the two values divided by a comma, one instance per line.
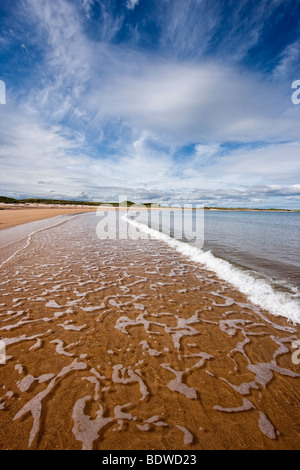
[169, 101]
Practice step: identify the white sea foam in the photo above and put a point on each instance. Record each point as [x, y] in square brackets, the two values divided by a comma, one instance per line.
[34, 406]
[3, 402]
[177, 385]
[188, 436]
[266, 426]
[257, 290]
[246, 406]
[85, 428]
[118, 376]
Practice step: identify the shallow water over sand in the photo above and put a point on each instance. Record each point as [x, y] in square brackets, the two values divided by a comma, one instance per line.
[126, 344]
[265, 242]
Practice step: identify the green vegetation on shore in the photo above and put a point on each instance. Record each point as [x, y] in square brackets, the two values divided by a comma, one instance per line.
[10, 200]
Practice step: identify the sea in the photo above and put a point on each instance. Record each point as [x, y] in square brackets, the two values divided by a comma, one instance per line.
[258, 252]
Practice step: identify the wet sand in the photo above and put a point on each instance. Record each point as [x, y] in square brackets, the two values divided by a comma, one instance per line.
[122, 344]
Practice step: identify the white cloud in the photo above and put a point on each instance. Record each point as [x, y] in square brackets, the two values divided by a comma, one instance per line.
[131, 4]
[272, 164]
[87, 6]
[289, 61]
[44, 159]
[205, 152]
[183, 102]
[204, 102]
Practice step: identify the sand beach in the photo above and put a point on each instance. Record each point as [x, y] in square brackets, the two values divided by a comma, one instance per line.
[126, 344]
[13, 215]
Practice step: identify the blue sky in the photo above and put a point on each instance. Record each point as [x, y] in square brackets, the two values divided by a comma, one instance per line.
[158, 100]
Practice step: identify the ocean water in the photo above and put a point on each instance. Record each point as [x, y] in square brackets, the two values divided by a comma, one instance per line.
[267, 242]
[257, 252]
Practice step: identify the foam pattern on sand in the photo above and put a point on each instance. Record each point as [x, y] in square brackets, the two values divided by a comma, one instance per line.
[117, 344]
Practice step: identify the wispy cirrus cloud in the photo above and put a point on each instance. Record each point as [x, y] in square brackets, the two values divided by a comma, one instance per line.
[131, 4]
[87, 6]
[287, 66]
